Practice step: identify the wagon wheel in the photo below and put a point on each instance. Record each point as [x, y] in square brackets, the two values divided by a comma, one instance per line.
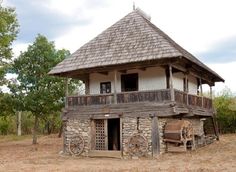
[137, 145]
[76, 145]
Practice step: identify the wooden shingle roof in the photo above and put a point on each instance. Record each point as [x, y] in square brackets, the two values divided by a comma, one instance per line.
[132, 39]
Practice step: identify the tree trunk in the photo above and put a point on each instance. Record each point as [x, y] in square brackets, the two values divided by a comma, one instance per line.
[36, 123]
[19, 123]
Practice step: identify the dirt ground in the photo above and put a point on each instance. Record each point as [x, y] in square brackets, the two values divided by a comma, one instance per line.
[23, 156]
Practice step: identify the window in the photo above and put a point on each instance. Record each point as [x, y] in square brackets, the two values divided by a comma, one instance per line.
[129, 82]
[105, 87]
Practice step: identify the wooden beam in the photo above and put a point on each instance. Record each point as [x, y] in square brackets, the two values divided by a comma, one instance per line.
[155, 137]
[180, 68]
[152, 63]
[123, 71]
[106, 133]
[142, 68]
[121, 136]
[216, 130]
[103, 73]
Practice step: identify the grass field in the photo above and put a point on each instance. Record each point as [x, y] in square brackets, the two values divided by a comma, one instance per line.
[18, 154]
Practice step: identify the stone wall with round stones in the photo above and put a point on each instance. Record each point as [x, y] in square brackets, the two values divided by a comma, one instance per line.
[75, 127]
[134, 125]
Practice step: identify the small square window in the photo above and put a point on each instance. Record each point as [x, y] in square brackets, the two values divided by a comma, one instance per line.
[105, 87]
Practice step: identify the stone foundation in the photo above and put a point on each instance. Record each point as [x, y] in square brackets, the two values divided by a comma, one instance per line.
[76, 127]
[130, 126]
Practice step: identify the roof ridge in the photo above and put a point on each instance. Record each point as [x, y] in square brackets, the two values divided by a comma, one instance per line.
[143, 14]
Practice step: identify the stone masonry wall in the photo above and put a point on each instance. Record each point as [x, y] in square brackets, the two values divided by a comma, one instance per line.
[82, 127]
[75, 127]
[130, 127]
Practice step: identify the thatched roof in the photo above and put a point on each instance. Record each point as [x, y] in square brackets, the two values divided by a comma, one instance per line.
[132, 39]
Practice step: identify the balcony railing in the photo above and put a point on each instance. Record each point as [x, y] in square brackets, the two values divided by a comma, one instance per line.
[140, 96]
[193, 100]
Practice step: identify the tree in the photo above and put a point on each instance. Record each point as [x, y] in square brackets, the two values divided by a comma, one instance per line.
[8, 32]
[41, 94]
[225, 105]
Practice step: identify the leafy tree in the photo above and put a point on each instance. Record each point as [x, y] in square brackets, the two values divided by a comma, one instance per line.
[8, 31]
[6, 101]
[40, 93]
[225, 105]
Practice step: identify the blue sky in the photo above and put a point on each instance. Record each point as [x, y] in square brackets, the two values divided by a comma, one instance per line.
[204, 28]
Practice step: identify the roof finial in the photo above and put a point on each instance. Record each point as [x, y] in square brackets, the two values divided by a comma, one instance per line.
[133, 5]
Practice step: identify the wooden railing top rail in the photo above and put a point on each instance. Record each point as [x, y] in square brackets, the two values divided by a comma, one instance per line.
[140, 96]
[111, 94]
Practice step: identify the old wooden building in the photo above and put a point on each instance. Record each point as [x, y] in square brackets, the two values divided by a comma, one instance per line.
[143, 93]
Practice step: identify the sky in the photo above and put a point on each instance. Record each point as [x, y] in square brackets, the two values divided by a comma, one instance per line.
[206, 28]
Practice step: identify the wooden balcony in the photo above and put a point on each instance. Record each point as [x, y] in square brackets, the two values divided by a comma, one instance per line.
[158, 96]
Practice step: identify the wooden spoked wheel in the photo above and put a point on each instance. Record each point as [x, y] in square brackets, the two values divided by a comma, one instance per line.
[76, 145]
[138, 145]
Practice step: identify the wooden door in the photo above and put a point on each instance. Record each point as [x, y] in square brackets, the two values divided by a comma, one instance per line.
[101, 142]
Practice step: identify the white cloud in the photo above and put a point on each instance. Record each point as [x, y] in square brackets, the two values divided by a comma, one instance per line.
[227, 71]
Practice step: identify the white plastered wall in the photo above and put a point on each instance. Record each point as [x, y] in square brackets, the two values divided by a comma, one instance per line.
[152, 78]
[178, 82]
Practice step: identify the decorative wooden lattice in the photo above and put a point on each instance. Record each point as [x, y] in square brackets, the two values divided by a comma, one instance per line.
[100, 135]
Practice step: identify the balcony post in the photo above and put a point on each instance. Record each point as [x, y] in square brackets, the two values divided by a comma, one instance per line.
[86, 84]
[211, 93]
[186, 86]
[66, 92]
[172, 93]
[201, 93]
[115, 84]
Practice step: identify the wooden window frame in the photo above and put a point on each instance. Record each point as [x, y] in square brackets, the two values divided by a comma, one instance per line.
[108, 84]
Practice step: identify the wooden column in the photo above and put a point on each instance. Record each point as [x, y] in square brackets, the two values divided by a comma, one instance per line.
[186, 86]
[155, 137]
[200, 80]
[201, 93]
[106, 133]
[121, 136]
[66, 92]
[172, 94]
[211, 96]
[86, 83]
[115, 86]
[214, 121]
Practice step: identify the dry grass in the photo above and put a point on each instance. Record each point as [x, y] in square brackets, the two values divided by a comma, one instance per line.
[21, 155]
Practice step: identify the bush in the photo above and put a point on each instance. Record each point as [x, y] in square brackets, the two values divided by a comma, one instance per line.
[225, 105]
[7, 125]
